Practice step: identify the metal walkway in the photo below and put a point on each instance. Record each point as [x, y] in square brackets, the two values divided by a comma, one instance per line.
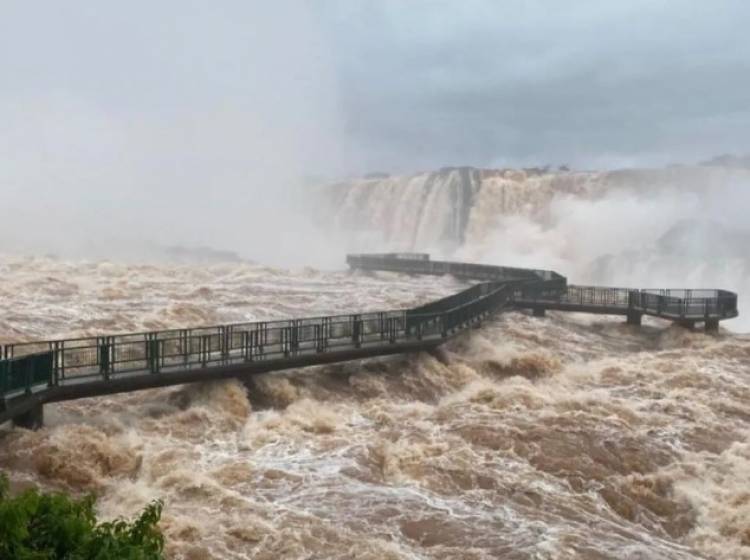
[32, 374]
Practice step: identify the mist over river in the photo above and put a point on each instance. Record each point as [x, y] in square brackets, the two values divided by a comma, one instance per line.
[561, 437]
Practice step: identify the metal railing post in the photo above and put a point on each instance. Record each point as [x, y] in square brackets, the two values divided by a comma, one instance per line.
[185, 345]
[223, 350]
[56, 362]
[246, 346]
[152, 352]
[356, 330]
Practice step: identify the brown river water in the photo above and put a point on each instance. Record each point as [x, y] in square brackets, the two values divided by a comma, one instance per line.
[568, 436]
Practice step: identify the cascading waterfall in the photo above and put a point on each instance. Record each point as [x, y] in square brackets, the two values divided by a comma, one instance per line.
[427, 209]
[454, 207]
[448, 208]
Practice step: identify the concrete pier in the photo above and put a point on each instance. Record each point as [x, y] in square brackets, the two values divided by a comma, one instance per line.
[539, 312]
[33, 419]
[634, 317]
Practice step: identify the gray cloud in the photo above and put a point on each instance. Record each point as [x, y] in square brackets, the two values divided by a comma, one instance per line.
[588, 82]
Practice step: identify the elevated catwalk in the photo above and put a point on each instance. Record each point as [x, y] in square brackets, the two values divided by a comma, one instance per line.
[32, 374]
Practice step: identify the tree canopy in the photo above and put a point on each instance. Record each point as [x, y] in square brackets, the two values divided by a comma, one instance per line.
[52, 526]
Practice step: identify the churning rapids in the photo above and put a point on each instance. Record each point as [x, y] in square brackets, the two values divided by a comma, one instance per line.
[562, 437]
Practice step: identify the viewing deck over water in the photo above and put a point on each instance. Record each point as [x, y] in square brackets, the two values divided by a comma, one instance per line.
[35, 373]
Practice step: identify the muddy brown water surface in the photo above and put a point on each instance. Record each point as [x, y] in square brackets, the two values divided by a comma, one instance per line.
[563, 437]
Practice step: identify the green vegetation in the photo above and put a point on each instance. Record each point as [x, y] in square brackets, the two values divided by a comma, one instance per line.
[37, 526]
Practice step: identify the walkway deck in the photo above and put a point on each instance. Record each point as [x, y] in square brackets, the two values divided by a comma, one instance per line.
[32, 374]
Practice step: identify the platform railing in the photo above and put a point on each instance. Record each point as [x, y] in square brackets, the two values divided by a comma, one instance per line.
[718, 304]
[672, 304]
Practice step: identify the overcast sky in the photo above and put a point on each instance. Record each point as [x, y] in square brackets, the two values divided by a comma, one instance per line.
[182, 119]
[505, 81]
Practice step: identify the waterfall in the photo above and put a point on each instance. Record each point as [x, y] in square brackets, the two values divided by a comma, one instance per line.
[424, 210]
[446, 209]
[456, 208]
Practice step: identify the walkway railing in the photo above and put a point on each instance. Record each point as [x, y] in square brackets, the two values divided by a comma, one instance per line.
[34, 366]
[37, 368]
[96, 358]
[419, 263]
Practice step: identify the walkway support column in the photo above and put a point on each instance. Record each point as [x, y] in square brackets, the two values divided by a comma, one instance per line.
[712, 325]
[634, 317]
[539, 312]
[32, 419]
